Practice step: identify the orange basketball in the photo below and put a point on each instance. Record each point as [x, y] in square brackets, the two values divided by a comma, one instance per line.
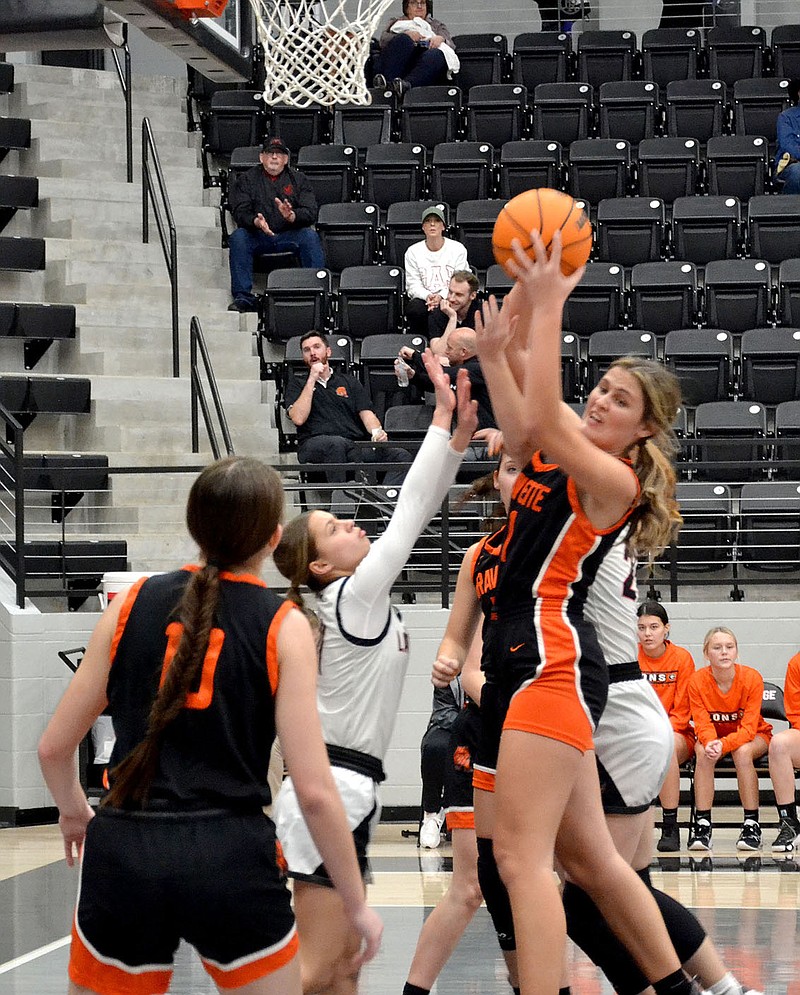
[547, 211]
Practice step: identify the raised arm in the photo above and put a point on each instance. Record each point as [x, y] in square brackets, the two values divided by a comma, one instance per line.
[461, 625]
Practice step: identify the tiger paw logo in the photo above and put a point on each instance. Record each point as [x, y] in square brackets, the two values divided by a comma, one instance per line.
[341, 391]
[461, 758]
[288, 190]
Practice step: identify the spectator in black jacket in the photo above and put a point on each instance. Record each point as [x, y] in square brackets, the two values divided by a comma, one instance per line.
[275, 208]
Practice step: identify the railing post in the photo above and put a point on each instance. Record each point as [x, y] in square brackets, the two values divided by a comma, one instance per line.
[145, 186]
[193, 389]
[128, 108]
[19, 513]
[173, 282]
[445, 551]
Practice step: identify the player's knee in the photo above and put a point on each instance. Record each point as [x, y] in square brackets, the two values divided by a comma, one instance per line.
[318, 976]
[496, 895]
[468, 894]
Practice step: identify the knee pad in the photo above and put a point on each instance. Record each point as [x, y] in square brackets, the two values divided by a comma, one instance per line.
[684, 930]
[587, 928]
[495, 895]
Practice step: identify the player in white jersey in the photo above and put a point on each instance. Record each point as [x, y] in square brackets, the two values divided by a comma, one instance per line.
[363, 656]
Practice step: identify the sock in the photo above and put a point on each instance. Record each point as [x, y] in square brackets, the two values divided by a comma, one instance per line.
[788, 813]
[702, 813]
[676, 984]
[410, 989]
[669, 816]
[751, 813]
[561, 991]
[518, 991]
[726, 986]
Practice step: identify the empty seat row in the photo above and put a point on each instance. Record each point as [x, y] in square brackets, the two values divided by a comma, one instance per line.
[38, 325]
[25, 397]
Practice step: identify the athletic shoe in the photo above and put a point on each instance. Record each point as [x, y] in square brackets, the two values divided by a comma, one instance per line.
[750, 836]
[787, 837]
[700, 835]
[744, 991]
[430, 833]
[670, 840]
[783, 162]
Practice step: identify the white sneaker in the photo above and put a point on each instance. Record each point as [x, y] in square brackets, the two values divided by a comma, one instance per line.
[430, 833]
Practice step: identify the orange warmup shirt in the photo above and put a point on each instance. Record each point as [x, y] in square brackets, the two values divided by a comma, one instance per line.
[791, 692]
[735, 717]
[669, 676]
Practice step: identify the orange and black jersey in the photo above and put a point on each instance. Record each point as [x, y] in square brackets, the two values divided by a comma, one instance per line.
[791, 692]
[551, 551]
[485, 570]
[216, 752]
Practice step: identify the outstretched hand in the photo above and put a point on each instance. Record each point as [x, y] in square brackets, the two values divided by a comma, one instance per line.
[540, 282]
[494, 328]
[445, 398]
[493, 438]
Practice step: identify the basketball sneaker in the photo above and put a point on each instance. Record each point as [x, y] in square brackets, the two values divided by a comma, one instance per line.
[750, 836]
[700, 835]
[430, 833]
[787, 837]
[670, 840]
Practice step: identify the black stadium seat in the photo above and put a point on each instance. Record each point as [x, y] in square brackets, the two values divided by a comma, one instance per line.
[598, 302]
[628, 110]
[296, 301]
[785, 44]
[358, 125]
[771, 365]
[787, 436]
[541, 57]
[475, 221]
[770, 526]
[774, 227]
[527, 165]
[39, 325]
[15, 133]
[737, 166]
[408, 422]
[378, 354]
[737, 294]
[371, 300]
[496, 113]
[497, 282]
[20, 253]
[663, 296]
[669, 54]
[482, 58]
[668, 168]
[731, 432]
[349, 234]
[299, 126]
[571, 368]
[461, 171]
[562, 112]
[695, 108]
[735, 52]
[701, 359]
[599, 168]
[604, 56]
[331, 170]
[25, 397]
[789, 292]
[394, 172]
[605, 347]
[235, 119]
[630, 230]
[757, 104]
[705, 542]
[706, 228]
[6, 77]
[431, 115]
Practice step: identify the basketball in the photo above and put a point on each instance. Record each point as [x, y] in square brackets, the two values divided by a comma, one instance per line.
[547, 211]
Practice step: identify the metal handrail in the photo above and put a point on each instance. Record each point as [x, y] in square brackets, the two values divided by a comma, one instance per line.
[124, 77]
[197, 343]
[166, 226]
[11, 446]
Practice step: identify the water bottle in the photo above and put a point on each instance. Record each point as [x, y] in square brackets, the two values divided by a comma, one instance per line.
[401, 369]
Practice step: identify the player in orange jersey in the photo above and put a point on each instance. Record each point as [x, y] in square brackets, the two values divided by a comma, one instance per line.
[725, 699]
[668, 668]
[784, 758]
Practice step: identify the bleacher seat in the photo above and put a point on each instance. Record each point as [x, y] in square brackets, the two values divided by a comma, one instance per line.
[378, 354]
[17, 193]
[628, 110]
[371, 300]
[604, 56]
[735, 52]
[461, 171]
[296, 300]
[6, 77]
[244, 158]
[431, 115]
[789, 292]
[630, 230]
[562, 112]
[757, 104]
[80, 564]
[341, 357]
[706, 228]
[773, 225]
[701, 359]
[705, 543]
[25, 397]
[527, 165]
[571, 368]
[15, 133]
[394, 172]
[599, 168]
[737, 166]
[497, 282]
[731, 432]
[771, 365]
[482, 58]
[364, 125]
[785, 44]
[349, 234]
[541, 57]
[663, 296]
[769, 539]
[299, 126]
[598, 302]
[605, 347]
[668, 168]
[696, 108]
[404, 226]
[496, 113]
[235, 119]
[20, 253]
[669, 54]
[408, 422]
[737, 294]
[787, 438]
[38, 325]
[475, 221]
[331, 170]
[66, 476]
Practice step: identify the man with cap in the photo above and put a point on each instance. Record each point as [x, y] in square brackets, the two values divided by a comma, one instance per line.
[274, 208]
[429, 264]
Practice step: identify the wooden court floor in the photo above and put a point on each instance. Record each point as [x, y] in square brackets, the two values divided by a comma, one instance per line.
[750, 906]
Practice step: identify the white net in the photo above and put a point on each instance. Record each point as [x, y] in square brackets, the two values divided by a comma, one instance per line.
[313, 55]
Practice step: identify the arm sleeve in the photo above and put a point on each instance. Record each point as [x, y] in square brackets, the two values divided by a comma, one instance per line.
[305, 206]
[421, 378]
[440, 29]
[681, 712]
[415, 288]
[791, 692]
[788, 134]
[431, 474]
[752, 698]
[703, 726]
[293, 390]
[242, 205]
[388, 34]
[361, 398]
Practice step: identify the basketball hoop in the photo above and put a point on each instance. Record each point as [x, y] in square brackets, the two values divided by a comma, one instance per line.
[312, 57]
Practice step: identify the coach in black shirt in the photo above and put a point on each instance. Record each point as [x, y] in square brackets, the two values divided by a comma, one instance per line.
[332, 412]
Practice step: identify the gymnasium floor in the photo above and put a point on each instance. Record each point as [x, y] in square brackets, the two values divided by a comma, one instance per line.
[749, 905]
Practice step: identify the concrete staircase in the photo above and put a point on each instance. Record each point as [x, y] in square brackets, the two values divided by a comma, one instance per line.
[91, 220]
